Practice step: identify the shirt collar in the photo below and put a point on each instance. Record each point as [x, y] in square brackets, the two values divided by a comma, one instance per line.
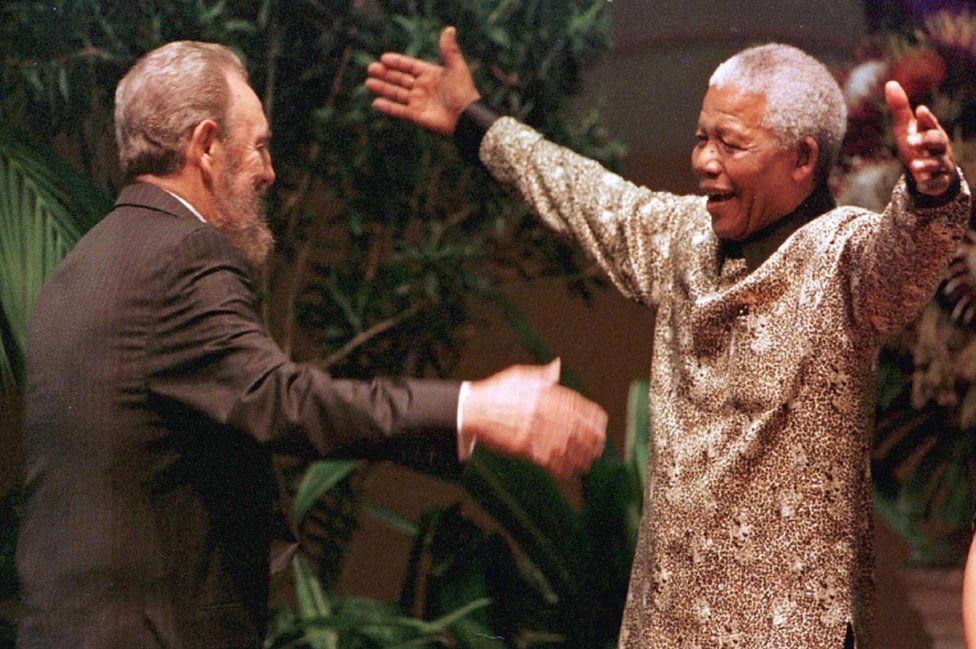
[187, 205]
[761, 245]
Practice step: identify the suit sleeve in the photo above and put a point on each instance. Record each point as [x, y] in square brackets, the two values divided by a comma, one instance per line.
[210, 358]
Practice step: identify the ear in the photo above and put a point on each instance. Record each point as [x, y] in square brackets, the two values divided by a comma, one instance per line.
[204, 146]
[807, 156]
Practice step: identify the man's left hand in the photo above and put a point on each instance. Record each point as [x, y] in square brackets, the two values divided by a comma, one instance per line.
[922, 144]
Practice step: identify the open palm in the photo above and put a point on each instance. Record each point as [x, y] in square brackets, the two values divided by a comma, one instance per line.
[427, 94]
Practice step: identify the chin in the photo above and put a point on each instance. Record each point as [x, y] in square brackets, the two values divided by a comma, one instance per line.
[724, 231]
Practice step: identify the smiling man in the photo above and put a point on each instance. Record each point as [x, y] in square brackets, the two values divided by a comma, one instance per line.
[771, 304]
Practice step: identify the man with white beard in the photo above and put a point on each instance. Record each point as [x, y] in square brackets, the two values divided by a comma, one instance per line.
[155, 397]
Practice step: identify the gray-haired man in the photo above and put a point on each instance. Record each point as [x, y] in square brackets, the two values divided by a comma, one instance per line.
[155, 396]
[771, 303]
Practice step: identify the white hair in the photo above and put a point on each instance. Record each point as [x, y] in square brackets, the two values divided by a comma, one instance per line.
[802, 97]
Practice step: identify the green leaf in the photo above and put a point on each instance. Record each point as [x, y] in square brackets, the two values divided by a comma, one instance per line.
[318, 479]
[525, 500]
[45, 206]
[637, 433]
[313, 605]
[391, 519]
[956, 486]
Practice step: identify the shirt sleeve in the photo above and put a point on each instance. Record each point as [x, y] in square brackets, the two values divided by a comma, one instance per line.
[900, 258]
[626, 229]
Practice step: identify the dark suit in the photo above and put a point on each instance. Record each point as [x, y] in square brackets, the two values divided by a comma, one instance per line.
[154, 400]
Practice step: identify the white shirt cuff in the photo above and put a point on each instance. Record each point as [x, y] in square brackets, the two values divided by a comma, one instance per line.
[465, 445]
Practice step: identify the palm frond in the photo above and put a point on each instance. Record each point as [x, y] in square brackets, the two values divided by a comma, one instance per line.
[45, 207]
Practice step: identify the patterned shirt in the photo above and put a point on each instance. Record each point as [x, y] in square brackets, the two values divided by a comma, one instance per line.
[756, 529]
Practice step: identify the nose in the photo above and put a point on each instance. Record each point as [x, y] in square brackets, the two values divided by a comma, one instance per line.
[705, 160]
[267, 172]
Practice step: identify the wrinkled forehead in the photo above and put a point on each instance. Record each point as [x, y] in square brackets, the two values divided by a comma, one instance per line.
[732, 105]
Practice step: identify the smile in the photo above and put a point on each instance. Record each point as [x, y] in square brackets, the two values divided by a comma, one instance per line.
[718, 197]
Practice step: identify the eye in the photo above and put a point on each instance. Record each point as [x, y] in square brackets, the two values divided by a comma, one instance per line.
[728, 145]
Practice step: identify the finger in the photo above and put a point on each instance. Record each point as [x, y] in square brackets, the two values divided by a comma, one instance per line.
[559, 461]
[450, 52]
[931, 166]
[391, 108]
[407, 64]
[600, 433]
[932, 142]
[395, 77]
[388, 91]
[550, 372]
[596, 440]
[926, 119]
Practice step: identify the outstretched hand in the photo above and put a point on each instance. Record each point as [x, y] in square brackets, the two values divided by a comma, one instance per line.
[922, 144]
[523, 411]
[429, 95]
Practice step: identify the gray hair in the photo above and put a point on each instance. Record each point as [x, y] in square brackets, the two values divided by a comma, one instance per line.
[802, 97]
[164, 96]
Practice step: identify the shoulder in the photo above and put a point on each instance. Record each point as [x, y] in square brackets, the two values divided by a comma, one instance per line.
[836, 227]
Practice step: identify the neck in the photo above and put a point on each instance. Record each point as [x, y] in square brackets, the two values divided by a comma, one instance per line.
[761, 245]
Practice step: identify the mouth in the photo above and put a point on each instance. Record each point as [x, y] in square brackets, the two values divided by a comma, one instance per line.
[716, 197]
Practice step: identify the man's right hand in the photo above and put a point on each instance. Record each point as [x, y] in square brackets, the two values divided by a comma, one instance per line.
[429, 95]
[523, 411]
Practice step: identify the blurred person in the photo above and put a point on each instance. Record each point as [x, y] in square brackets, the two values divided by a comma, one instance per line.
[155, 397]
[771, 303]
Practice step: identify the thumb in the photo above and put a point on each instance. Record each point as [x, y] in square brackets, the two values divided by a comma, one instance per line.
[901, 110]
[550, 372]
[450, 52]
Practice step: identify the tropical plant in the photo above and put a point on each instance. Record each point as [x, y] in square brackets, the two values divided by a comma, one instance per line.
[45, 206]
[541, 574]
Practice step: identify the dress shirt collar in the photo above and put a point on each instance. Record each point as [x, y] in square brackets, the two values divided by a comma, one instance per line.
[187, 205]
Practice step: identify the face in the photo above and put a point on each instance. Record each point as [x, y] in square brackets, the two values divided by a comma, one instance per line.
[244, 176]
[741, 166]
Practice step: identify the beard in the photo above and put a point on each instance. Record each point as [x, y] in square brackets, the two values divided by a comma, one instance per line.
[241, 216]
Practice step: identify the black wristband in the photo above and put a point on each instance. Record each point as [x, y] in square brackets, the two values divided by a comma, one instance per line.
[926, 201]
[471, 127]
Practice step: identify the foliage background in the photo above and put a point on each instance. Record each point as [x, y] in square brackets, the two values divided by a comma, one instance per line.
[387, 244]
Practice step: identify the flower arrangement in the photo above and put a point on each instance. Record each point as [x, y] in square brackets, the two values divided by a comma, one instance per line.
[923, 456]
[935, 62]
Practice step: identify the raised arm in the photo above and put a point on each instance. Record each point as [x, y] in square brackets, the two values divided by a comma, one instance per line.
[429, 95]
[900, 260]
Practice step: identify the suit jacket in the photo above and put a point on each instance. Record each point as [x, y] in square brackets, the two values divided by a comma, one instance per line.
[155, 398]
